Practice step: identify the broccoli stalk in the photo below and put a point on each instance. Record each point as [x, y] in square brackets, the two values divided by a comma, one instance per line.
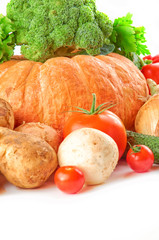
[51, 28]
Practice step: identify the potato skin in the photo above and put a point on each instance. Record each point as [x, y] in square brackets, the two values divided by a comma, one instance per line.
[26, 161]
[45, 132]
[6, 114]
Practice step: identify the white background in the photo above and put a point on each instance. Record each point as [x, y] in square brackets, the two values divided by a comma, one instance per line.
[124, 208]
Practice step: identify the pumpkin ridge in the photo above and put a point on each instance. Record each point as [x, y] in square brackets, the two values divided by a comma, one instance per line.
[109, 61]
[82, 76]
[111, 71]
[14, 87]
[116, 83]
[104, 81]
[64, 75]
[135, 74]
[2, 66]
[31, 101]
[86, 70]
[41, 112]
[128, 63]
[131, 83]
[25, 83]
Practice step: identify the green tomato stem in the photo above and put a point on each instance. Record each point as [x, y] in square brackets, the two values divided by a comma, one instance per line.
[135, 148]
[101, 108]
[93, 108]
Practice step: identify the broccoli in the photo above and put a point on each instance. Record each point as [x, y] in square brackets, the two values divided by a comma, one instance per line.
[50, 28]
[7, 41]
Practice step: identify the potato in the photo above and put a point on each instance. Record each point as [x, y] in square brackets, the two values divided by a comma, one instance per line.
[45, 132]
[26, 161]
[6, 114]
[93, 151]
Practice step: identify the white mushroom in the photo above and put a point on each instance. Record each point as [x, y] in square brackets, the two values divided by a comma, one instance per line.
[93, 151]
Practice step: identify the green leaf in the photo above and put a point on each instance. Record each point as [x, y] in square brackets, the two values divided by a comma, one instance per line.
[123, 21]
[7, 39]
[128, 38]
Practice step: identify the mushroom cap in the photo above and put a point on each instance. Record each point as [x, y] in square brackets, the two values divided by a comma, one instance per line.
[92, 151]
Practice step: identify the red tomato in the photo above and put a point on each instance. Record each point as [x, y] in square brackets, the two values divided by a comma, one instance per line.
[142, 160]
[151, 70]
[154, 59]
[148, 57]
[69, 179]
[106, 122]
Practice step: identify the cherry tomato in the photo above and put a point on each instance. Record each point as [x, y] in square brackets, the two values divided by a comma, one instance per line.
[106, 122]
[69, 179]
[140, 158]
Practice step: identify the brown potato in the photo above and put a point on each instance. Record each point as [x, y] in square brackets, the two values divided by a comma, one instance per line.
[45, 132]
[6, 114]
[26, 161]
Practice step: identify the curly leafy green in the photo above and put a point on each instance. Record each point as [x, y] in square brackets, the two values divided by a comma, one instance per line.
[7, 40]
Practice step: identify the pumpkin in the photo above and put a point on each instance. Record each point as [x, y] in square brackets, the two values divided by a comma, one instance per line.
[44, 92]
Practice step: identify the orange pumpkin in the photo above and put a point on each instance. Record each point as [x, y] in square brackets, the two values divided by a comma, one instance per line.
[42, 92]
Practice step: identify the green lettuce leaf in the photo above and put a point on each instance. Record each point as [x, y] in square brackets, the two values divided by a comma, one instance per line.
[7, 40]
[127, 38]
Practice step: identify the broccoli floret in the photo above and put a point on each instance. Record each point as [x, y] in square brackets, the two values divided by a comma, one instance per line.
[7, 42]
[49, 28]
[88, 36]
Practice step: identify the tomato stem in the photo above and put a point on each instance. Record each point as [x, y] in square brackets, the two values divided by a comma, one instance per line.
[93, 108]
[101, 108]
[135, 148]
